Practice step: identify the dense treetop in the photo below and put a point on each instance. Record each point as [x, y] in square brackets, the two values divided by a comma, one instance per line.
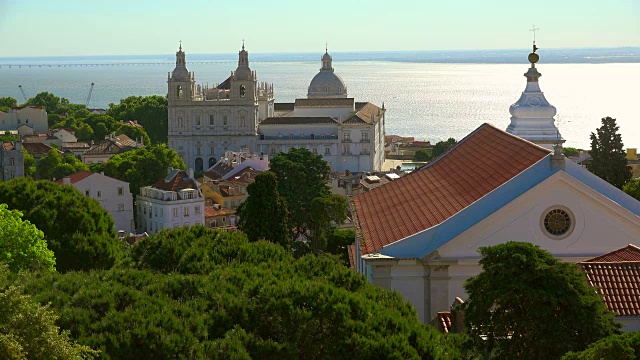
[202, 293]
[615, 347]
[150, 111]
[143, 167]
[76, 228]
[526, 304]
[22, 245]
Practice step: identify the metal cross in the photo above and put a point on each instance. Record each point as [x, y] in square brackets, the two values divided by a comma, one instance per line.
[534, 29]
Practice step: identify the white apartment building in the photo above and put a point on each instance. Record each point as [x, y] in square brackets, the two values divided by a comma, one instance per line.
[112, 194]
[171, 202]
[34, 117]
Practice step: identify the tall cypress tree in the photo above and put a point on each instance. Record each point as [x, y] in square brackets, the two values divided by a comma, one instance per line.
[264, 214]
[609, 160]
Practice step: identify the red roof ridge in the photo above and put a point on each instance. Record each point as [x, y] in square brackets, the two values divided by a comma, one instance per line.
[74, 178]
[629, 253]
[436, 192]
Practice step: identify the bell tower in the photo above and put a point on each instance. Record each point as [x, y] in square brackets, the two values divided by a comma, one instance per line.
[244, 80]
[181, 82]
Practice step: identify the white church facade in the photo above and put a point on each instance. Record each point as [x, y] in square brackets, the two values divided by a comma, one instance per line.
[420, 234]
[240, 115]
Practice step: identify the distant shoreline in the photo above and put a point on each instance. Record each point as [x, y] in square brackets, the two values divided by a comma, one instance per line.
[508, 56]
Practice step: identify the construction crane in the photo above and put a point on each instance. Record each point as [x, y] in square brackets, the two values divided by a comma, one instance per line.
[89, 96]
[23, 95]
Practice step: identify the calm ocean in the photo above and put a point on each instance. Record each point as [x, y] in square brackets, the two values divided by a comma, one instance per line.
[440, 97]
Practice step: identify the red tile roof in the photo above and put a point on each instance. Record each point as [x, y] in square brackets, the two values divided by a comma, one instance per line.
[618, 282]
[627, 253]
[477, 165]
[179, 181]
[444, 321]
[8, 146]
[76, 177]
[211, 211]
[37, 149]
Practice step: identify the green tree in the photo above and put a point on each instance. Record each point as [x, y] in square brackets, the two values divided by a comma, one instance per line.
[28, 329]
[102, 125]
[301, 179]
[570, 152]
[265, 199]
[85, 133]
[338, 241]
[615, 347]
[326, 212]
[608, 158]
[22, 245]
[421, 155]
[150, 112]
[525, 304]
[632, 188]
[7, 103]
[200, 293]
[143, 167]
[29, 163]
[135, 133]
[443, 146]
[56, 166]
[7, 137]
[51, 103]
[79, 232]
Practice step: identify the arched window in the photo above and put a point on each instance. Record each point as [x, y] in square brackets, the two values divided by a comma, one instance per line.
[243, 121]
[199, 165]
[212, 161]
[243, 91]
[179, 91]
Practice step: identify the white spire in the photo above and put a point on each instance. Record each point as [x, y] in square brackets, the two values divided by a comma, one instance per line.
[532, 117]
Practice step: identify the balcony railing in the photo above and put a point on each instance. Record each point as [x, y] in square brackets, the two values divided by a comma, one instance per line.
[365, 140]
[346, 140]
[298, 138]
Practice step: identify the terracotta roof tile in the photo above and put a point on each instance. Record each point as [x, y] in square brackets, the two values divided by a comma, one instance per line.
[179, 181]
[211, 211]
[80, 175]
[444, 321]
[618, 283]
[351, 249]
[368, 113]
[478, 164]
[37, 149]
[117, 145]
[627, 253]
[8, 145]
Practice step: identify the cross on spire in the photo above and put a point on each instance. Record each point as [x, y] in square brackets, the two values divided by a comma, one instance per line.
[534, 29]
[326, 47]
[242, 43]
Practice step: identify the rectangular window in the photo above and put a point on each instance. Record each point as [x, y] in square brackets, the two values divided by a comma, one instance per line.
[346, 137]
[120, 207]
[197, 210]
[314, 151]
[86, 192]
[224, 120]
[120, 191]
[312, 137]
[197, 120]
[12, 162]
[291, 136]
[186, 211]
[213, 224]
[198, 151]
[99, 194]
[347, 149]
[273, 151]
[176, 212]
[233, 204]
[211, 120]
[365, 136]
[327, 150]
[212, 151]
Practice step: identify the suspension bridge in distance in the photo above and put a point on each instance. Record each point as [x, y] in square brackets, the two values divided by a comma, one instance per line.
[61, 65]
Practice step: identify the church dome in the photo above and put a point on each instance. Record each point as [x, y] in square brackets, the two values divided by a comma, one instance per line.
[180, 73]
[326, 83]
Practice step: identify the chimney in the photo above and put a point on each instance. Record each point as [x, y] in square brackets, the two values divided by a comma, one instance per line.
[557, 158]
[66, 180]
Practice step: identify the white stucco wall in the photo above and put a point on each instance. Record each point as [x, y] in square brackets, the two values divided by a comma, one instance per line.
[601, 226]
[36, 118]
[106, 191]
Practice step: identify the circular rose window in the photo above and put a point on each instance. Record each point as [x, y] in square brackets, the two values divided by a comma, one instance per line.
[558, 223]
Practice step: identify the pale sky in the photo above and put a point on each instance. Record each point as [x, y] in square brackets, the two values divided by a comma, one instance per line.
[119, 27]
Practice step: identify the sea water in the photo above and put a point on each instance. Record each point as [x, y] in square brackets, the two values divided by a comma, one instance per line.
[430, 101]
